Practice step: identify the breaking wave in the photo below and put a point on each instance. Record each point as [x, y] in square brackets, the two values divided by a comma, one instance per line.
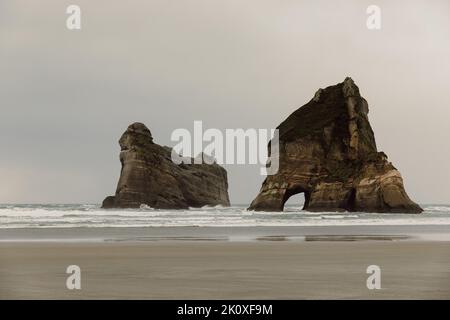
[91, 215]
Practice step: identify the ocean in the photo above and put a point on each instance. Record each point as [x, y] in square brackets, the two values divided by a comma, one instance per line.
[19, 216]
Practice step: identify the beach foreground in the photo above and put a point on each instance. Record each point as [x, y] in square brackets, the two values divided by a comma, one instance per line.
[322, 268]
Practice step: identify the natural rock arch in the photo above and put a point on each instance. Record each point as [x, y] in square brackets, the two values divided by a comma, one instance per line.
[327, 150]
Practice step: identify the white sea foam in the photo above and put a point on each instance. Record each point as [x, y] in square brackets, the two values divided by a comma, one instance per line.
[87, 215]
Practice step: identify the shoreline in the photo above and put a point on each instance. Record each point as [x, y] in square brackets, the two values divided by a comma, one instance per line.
[226, 263]
[229, 234]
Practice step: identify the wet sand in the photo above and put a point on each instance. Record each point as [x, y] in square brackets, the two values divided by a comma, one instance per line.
[329, 268]
[240, 234]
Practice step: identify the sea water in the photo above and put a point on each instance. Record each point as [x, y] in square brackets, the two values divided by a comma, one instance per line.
[91, 215]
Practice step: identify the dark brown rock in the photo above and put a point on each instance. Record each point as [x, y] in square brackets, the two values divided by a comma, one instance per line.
[328, 152]
[149, 177]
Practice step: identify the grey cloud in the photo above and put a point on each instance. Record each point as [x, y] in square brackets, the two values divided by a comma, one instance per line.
[68, 95]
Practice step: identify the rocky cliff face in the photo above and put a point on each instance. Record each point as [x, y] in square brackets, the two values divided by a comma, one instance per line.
[149, 177]
[328, 152]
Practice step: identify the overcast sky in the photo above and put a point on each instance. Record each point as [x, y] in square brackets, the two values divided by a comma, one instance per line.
[67, 96]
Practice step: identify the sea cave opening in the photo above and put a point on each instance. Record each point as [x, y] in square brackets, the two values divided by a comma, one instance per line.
[295, 200]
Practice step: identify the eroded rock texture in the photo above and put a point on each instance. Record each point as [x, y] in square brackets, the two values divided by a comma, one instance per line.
[328, 152]
[149, 177]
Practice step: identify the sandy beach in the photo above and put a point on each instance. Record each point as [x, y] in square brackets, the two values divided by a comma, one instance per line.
[321, 266]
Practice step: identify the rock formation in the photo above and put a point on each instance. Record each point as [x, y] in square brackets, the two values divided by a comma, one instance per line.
[150, 177]
[327, 151]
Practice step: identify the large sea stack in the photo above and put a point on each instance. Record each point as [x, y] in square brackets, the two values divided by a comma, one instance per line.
[328, 152]
[150, 177]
